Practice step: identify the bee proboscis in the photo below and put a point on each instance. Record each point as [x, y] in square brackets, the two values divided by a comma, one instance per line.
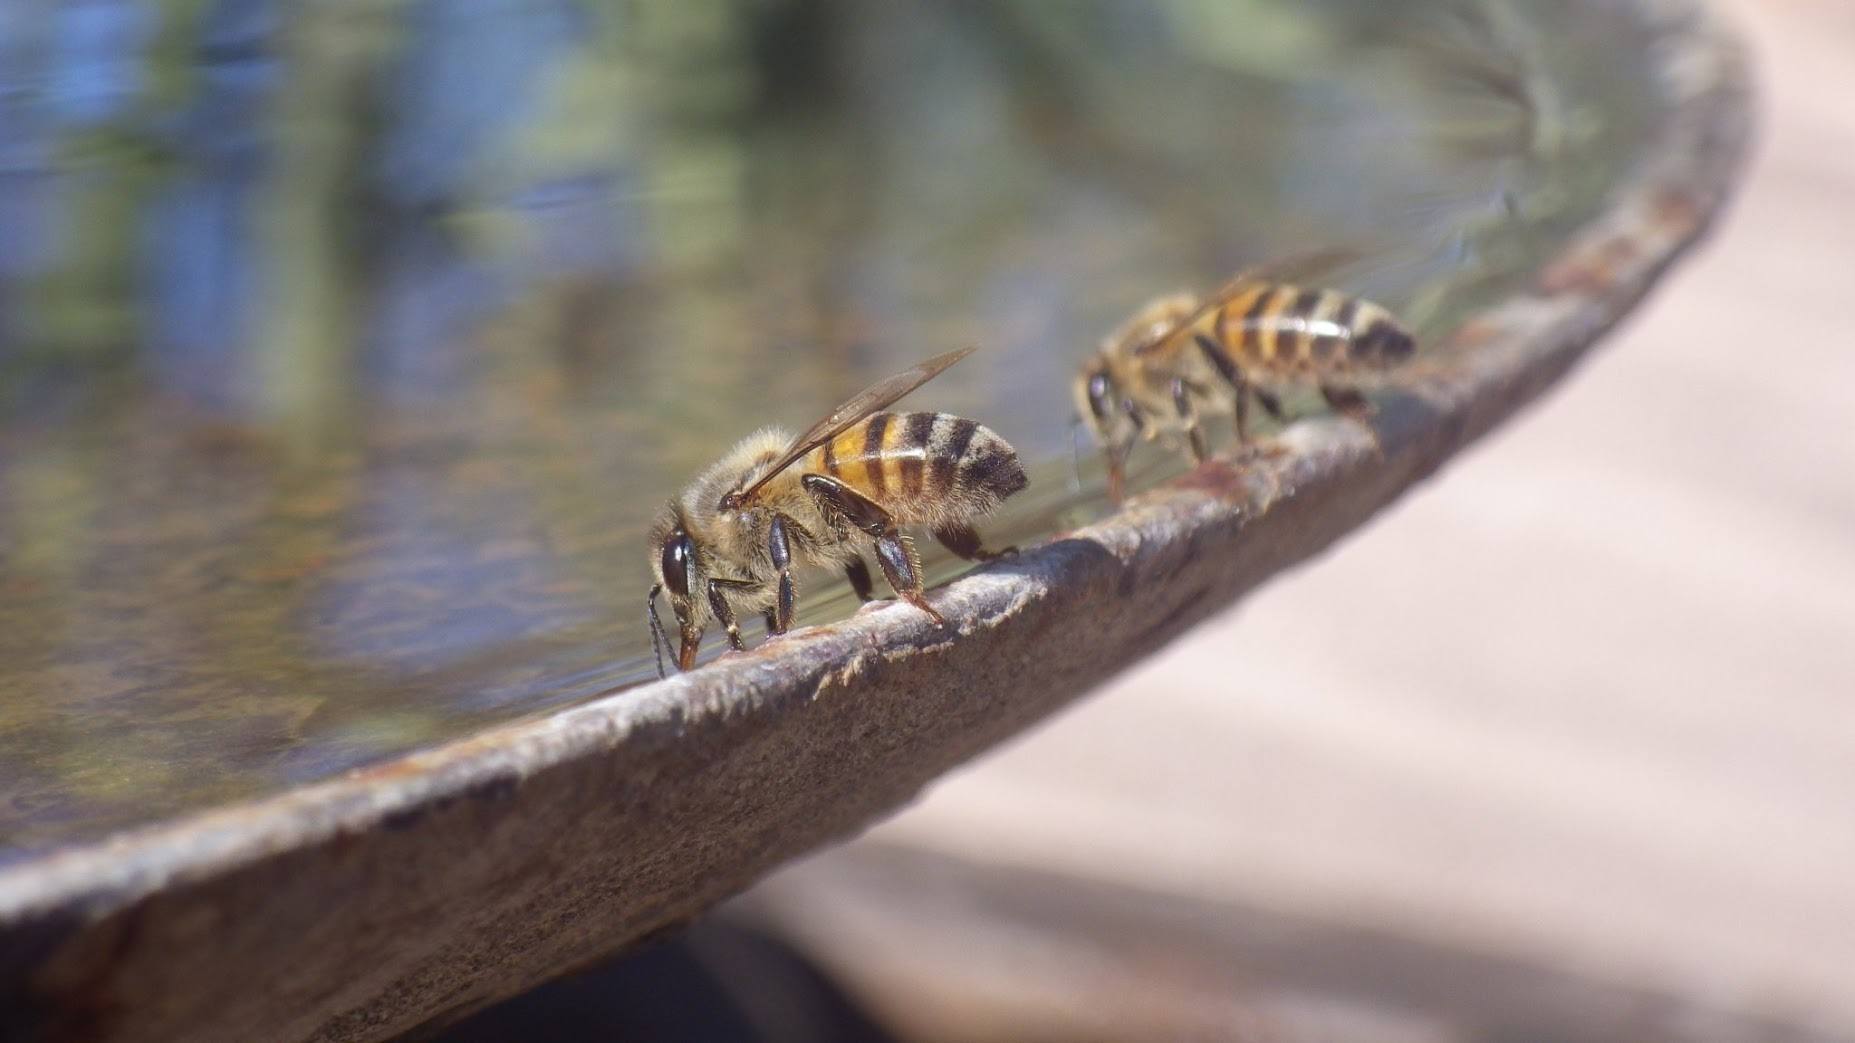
[729, 542]
[1181, 358]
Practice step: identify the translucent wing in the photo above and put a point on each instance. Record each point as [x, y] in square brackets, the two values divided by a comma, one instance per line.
[1310, 265]
[869, 400]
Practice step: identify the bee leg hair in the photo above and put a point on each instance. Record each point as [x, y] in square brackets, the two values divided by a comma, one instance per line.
[902, 569]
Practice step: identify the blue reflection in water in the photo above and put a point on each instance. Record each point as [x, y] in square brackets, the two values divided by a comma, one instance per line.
[458, 83]
[199, 255]
[93, 69]
[473, 75]
[430, 292]
[472, 71]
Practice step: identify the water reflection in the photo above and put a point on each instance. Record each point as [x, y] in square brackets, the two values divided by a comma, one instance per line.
[345, 347]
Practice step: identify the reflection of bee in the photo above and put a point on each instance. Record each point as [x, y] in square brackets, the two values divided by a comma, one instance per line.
[1181, 357]
[728, 543]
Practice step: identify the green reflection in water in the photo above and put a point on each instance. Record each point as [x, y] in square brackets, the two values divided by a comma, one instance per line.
[363, 341]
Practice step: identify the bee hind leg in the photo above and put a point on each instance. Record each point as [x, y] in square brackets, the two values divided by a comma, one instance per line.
[1353, 405]
[902, 569]
[963, 540]
[894, 553]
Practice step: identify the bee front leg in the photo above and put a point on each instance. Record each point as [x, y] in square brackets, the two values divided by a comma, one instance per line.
[1117, 454]
[1188, 416]
[894, 552]
[780, 549]
[1131, 410]
[725, 612]
[1116, 463]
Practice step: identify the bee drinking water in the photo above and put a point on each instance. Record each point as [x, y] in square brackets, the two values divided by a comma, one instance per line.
[729, 542]
[1181, 358]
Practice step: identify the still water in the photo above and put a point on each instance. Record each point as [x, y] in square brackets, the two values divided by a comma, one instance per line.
[345, 348]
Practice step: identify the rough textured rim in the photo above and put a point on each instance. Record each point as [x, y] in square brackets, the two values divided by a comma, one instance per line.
[394, 897]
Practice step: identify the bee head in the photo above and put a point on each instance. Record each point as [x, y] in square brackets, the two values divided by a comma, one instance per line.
[677, 566]
[1101, 407]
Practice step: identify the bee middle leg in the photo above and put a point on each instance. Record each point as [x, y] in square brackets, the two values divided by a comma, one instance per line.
[964, 541]
[900, 566]
[860, 581]
[1271, 404]
[1240, 383]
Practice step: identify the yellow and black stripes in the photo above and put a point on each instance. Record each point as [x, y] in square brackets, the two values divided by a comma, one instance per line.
[917, 458]
[912, 467]
[1274, 329]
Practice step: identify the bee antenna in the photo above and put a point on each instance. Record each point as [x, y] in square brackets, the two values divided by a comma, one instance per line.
[658, 640]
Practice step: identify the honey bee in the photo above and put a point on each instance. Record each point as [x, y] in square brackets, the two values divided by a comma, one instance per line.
[1180, 358]
[728, 544]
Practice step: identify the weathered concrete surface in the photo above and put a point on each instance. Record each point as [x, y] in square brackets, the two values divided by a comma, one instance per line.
[370, 905]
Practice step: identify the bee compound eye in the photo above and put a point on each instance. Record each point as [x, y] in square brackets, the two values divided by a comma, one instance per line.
[1098, 395]
[678, 554]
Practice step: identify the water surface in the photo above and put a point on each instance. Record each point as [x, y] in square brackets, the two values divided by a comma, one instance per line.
[346, 348]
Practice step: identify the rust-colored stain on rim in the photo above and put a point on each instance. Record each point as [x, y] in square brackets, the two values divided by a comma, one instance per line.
[400, 895]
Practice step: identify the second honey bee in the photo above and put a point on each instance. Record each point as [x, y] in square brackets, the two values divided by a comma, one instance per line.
[1181, 358]
[729, 543]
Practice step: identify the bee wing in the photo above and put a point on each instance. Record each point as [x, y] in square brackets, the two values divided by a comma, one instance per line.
[871, 399]
[1308, 265]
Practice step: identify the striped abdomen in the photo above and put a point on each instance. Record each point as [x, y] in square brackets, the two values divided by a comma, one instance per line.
[917, 465]
[1273, 328]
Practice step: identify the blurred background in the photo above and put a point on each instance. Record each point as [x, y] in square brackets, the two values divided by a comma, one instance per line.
[345, 347]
